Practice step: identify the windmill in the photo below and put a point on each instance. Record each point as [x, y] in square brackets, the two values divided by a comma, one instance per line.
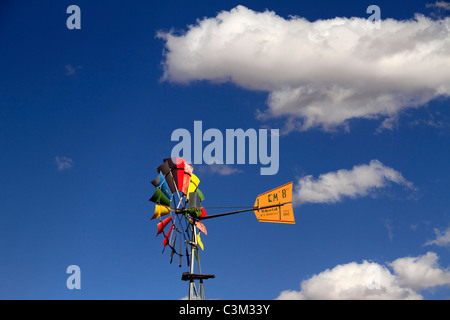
[178, 199]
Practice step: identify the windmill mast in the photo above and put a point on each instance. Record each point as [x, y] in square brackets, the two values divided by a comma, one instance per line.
[194, 293]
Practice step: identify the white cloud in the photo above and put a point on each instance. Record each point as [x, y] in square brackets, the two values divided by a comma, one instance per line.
[440, 5]
[373, 281]
[420, 273]
[334, 186]
[70, 70]
[323, 72]
[220, 169]
[442, 239]
[389, 228]
[63, 163]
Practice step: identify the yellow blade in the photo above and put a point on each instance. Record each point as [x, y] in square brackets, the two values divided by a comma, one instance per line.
[193, 184]
[160, 211]
[199, 241]
[280, 198]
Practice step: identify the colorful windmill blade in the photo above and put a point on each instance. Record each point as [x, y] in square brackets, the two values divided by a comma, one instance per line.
[171, 163]
[161, 183]
[187, 178]
[193, 185]
[163, 224]
[164, 169]
[160, 198]
[160, 211]
[177, 195]
[183, 174]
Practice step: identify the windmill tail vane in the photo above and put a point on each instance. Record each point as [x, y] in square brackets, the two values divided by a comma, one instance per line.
[178, 197]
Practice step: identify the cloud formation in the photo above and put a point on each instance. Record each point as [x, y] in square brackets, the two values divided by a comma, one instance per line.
[442, 238]
[440, 5]
[373, 281]
[335, 186]
[63, 163]
[419, 273]
[220, 169]
[322, 73]
[70, 70]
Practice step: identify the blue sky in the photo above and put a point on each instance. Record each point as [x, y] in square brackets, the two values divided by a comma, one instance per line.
[87, 115]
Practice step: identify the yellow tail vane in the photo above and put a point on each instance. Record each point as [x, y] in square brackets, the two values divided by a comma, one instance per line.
[271, 206]
[275, 205]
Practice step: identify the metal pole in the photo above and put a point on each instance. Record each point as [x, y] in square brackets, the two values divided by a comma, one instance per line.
[239, 211]
[193, 248]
